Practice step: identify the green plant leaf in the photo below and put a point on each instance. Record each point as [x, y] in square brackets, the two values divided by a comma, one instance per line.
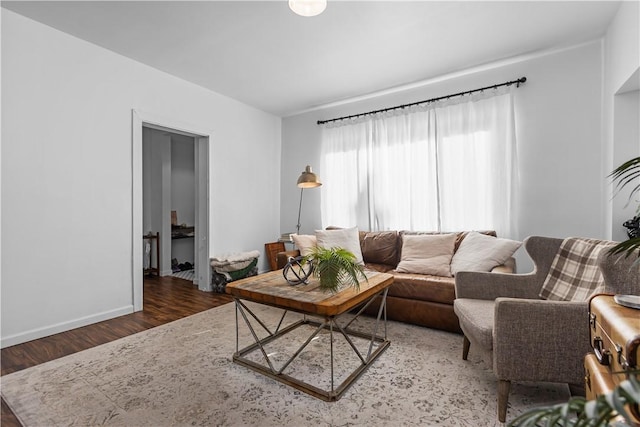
[623, 175]
[627, 391]
[592, 413]
[335, 267]
[628, 248]
[626, 173]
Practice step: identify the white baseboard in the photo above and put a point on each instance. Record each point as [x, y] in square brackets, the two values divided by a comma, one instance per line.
[63, 326]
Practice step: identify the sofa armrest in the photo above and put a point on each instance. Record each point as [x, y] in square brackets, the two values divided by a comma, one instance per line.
[282, 258]
[489, 286]
[540, 340]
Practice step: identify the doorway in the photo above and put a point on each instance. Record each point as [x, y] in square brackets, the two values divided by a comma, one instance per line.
[168, 199]
[201, 219]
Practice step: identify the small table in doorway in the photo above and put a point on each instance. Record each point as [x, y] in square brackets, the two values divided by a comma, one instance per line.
[322, 313]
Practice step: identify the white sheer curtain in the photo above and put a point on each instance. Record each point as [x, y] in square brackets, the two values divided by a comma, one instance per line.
[444, 167]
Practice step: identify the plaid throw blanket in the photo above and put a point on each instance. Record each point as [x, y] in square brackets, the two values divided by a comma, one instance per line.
[574, 274]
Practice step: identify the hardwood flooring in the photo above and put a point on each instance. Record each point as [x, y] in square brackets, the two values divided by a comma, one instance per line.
[165, 299]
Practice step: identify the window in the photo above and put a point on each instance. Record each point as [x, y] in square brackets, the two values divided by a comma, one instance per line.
[447, 167]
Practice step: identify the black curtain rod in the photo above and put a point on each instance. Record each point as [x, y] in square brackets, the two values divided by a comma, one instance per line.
[516, 82]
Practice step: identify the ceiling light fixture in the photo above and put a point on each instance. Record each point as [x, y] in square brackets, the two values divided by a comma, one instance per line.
[308, 7]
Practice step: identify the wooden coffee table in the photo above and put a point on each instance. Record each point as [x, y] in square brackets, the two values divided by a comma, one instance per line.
[322, 311]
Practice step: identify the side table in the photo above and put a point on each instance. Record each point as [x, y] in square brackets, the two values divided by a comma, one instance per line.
[271, 251]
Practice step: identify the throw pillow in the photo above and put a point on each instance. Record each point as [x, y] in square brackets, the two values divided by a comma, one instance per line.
[463, 234]
[479, 252]
[574, 274]
[380, 247]
[304, 242]
[346, 238]
[427, 254]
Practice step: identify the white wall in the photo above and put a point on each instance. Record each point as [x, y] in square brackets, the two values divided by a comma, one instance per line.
[183, 179]
[626, 145]
[183, 193]
[558, 114]
[621, 130]
[67, 175]
[622, 43]
[156, 193]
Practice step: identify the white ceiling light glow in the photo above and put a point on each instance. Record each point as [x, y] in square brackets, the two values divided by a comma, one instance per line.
[308, 7]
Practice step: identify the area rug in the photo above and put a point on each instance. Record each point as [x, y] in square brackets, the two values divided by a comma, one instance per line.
[182, 373]
[185, 274]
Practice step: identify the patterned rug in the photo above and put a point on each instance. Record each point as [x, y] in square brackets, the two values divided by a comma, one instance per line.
[185, 274]
[181, 373]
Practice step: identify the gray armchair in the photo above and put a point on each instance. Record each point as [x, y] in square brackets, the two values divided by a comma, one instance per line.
[524, 337]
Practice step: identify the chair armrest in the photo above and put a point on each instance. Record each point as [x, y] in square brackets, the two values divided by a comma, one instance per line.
[509, 267]
[489, 286]
[282, 258]
[540, 340]
[621, 274]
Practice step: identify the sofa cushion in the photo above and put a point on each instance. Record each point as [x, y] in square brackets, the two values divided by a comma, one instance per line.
[380, 247]
[574, 274]
[382, 268]
[464, 234]
[423, 287]
[460, 238]
[304, 242]
[427, 254]
[418, 233]
[346, 238]
[479, 252]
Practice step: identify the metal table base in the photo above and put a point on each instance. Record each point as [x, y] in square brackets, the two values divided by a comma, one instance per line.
[331, 324]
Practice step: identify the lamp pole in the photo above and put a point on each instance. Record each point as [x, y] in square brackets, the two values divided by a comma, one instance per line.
[299, 210]
[307, 179]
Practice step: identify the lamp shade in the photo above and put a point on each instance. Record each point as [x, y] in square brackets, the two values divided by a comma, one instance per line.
[308, 179]
[308, 7]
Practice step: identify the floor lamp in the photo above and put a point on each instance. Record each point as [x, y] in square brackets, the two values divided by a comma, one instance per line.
[307, 179]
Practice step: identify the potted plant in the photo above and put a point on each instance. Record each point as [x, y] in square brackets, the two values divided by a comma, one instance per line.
[335, 267]
[579, 412]
[628, 173]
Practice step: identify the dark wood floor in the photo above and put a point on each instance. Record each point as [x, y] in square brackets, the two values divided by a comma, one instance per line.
[165, 299]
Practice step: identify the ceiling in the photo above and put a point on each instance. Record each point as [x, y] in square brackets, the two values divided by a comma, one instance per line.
[261, 53]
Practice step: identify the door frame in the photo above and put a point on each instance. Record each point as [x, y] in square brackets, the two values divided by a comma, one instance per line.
[202, 138]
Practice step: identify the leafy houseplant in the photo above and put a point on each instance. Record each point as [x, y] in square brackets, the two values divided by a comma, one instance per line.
[593, 413]
[627, 173]
[335, 267]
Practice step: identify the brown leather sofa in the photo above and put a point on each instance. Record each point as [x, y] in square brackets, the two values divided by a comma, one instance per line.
[419, 299]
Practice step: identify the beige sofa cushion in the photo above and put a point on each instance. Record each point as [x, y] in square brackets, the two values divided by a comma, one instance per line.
[479, 252]
[304, 242]
[427, 254]
[346, 238]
